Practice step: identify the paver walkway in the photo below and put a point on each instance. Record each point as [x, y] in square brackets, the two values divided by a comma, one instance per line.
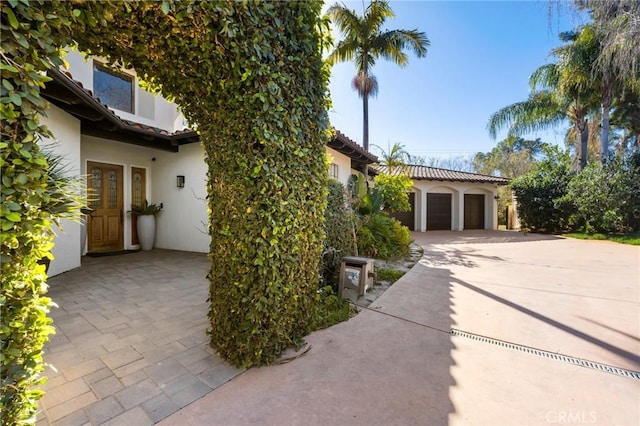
[399, 364]
[131, 345]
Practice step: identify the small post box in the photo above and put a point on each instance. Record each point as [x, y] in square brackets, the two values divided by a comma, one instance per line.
[357, 274]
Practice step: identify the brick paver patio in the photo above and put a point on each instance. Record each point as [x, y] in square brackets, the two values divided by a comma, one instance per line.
[131, 345]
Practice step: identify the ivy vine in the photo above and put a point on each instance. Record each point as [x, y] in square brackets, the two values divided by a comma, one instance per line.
[249, 76]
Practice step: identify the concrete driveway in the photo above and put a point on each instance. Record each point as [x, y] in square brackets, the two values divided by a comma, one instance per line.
[546, 331]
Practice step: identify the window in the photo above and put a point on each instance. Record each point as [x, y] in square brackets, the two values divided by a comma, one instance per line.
[113, 88]
[333, 170]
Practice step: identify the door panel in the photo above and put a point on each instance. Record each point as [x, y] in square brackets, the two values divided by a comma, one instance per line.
[438, 212]
[138, 195]
[474, 211]
[105, 229]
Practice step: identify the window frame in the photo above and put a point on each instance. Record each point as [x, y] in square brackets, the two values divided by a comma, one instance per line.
[334, 171]
[101, 66]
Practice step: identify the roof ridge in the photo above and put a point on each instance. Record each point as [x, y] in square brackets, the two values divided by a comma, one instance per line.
[457, 171]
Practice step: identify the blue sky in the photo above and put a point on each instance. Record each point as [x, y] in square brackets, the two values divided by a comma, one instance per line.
[480, 59]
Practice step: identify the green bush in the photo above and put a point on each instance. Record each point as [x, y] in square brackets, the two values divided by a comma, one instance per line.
[382, 237]
[542, 205]
[604, 196]
[394, 190]
[340, 234]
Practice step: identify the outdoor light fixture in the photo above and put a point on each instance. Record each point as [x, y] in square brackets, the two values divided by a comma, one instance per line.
[180, 181]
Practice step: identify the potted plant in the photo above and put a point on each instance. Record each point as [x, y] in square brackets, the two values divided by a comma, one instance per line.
[146, 223]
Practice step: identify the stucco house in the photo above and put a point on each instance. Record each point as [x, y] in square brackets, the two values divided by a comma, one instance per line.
[133, 145]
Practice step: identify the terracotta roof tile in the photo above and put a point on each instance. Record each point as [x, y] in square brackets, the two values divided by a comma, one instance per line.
[348, 147]
[444, 175]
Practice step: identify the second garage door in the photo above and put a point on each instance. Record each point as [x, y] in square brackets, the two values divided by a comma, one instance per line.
[438, 212]
[473, 211]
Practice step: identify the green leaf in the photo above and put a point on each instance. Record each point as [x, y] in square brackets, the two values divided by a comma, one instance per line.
[13, 217]
[15, 98]
[7, 67]
[166, 7]
[11, 17]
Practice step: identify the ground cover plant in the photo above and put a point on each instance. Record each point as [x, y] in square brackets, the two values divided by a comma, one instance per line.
[388, 274]
[632, 238]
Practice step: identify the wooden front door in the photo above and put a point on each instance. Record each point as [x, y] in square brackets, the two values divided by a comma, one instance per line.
[105, 225]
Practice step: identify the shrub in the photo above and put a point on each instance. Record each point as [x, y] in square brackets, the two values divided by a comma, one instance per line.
[604, 196]
[394, 190]
[382, 237]
[340, 234]
[542, 204]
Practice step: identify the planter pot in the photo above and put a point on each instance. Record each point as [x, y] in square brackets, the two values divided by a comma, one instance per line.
[146, 231]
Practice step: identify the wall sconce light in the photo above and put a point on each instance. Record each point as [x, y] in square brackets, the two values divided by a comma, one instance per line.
[180, 181]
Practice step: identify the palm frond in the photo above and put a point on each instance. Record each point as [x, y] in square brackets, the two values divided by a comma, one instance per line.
[545, 77]
[539, 112]
[391, 45]
[375, 15]
[344, 51]
[347, 20]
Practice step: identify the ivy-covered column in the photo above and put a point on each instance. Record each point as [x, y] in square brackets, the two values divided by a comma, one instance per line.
[249, 76]
[265, 149]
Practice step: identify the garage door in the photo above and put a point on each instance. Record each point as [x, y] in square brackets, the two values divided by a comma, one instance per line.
[473, 211]
[408, 218]
[438, 212]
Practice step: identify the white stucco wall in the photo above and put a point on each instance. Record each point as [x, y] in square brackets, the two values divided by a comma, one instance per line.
[156, 111]
[182, 225]
[343, 162]
[66, 130]
[457, 191]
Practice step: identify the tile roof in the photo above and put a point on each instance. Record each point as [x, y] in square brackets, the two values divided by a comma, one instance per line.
[65, 78]
[444, 175]
[348, 147]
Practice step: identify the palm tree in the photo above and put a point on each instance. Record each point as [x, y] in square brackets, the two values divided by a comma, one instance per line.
[559, 91]
[617, 25]
[396, 157]
[364, 41]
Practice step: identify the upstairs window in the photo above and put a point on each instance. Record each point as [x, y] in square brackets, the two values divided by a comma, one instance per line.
[113, 88]
[333, 170]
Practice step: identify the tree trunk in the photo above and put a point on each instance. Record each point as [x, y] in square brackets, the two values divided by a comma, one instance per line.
[604, 141]
[584, 145]
[365, 132]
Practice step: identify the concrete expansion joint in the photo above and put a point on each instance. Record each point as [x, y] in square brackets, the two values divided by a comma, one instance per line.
[594, 365]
